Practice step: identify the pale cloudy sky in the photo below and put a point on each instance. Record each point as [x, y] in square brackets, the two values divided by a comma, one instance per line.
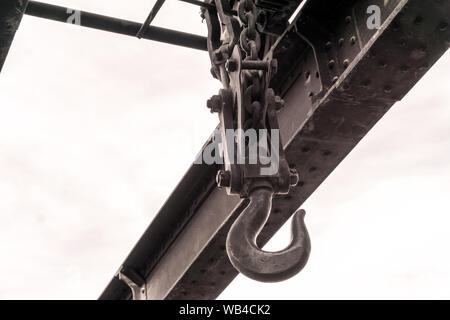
[96, 129]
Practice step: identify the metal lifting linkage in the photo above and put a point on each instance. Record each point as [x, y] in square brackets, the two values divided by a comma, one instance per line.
[238, 41]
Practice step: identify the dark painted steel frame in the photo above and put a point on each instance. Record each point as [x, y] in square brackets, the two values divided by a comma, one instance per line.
[338, 80]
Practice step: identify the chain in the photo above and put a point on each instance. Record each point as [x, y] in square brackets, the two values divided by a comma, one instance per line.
[253, 81]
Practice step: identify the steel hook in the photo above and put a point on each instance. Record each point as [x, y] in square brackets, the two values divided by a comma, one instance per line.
[253, 262]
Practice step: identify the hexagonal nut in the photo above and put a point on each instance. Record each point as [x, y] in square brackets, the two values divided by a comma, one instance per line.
[214, 103]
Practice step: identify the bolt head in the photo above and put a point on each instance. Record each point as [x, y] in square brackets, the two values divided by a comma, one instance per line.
[231, 65]
[214, 103]
[223, 179]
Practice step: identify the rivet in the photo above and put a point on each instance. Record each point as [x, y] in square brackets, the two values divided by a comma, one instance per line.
[331, 64]
[395, 26]
[346, 63]
[353, 40]
[404, 68]
[443, 26]
[306, 149]
[366, 83]
[418, 20]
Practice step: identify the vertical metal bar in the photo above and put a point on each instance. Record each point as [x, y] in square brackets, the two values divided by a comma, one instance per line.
[151, 16]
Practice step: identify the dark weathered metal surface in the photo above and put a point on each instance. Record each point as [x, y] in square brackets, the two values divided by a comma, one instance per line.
[11, 12]
[125, 27]
[279, 12]
[334, 93]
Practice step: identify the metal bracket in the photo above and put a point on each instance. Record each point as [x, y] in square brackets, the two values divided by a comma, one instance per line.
[135, 282]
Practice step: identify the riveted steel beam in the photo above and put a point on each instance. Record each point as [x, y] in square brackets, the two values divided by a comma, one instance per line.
[338, 78]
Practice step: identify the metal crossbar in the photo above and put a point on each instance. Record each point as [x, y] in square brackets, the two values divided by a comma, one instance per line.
[124, 27]
[158, 5]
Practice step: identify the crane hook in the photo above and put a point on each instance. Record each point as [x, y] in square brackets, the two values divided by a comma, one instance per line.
[253, 262]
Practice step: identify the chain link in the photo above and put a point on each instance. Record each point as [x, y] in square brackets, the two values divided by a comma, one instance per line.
[253, 80]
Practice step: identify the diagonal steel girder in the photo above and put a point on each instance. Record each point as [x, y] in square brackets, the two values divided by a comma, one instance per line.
[338, 78]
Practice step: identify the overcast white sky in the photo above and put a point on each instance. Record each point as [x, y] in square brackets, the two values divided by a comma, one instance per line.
[96, 129]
